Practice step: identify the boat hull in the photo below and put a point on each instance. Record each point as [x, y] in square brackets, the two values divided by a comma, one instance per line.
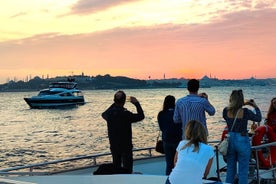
[54, 102]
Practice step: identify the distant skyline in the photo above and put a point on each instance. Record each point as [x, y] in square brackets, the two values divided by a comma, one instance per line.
[139, 39]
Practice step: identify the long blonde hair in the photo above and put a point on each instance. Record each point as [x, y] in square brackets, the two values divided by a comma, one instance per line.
[236, 101]
[195, 133]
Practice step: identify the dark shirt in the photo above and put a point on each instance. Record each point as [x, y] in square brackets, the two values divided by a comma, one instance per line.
[119, 121]
[171, 132]
[241, 123]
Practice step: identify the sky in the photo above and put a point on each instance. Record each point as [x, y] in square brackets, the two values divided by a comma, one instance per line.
[142, 39]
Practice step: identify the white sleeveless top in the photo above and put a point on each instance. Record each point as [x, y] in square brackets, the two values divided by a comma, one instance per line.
[190, 166]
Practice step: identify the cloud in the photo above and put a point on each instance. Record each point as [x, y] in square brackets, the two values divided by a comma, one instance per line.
[265, 4]
[239, 39]
[18, 15]
[92, 6]
[235, 26]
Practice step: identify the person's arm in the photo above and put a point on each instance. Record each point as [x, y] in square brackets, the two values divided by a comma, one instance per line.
[176, 115]
[224, 113]
[160, 121]
[257, 116]
[140, 113]
[210, 109]
[107, 112]
[208, 167]
[175, 157]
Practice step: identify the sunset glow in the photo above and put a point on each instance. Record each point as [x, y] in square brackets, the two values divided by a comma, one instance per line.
[138, 38]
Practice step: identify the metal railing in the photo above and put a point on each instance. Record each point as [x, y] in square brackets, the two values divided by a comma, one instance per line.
[17, 170]
[272, 168]
[93, 157]
[30, 168]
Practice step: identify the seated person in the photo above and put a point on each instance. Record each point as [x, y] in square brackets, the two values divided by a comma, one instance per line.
[193, 158]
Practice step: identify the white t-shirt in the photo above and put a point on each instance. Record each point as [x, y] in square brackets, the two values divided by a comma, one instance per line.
[190, 166]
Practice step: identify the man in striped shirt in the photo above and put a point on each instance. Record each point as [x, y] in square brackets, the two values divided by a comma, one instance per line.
[193, 106]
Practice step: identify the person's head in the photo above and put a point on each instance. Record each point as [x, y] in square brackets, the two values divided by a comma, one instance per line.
[169, 102]
[236, 101]
[195, 133]
[120, 98]
[193, 85]
[272, 107]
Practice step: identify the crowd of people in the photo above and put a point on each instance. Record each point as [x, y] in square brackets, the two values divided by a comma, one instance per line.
[185, 132]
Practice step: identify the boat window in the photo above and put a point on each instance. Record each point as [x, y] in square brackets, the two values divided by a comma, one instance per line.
[77, 93]
[66, 85]
[48, 92]
[66, 94]
[41, 93]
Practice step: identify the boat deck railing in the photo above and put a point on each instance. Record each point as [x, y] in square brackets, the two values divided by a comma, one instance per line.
[272, 168]
[29, 169]
[148, 152]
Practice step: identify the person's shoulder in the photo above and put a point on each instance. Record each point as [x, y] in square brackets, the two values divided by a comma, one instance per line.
[180, 145]
[273, 114]
[196, 98]
[203, 100]
[245, 110]
[183, 142]
[160, 113]
[180, 99]
[224, 112]
[225, 109]
[184, 99]
[207, 147]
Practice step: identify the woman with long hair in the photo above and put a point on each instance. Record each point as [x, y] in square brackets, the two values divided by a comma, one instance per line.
[171, 132]
[239, 150]
[271, 115]
[193, 158]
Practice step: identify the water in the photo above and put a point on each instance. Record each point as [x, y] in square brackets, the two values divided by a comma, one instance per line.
[37, 135]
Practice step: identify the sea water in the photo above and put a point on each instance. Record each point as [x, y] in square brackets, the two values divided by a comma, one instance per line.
[38, 135]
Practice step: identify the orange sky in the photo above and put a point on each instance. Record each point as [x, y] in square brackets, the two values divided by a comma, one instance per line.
[138, 38]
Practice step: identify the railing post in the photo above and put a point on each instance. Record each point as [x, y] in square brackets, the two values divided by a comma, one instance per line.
[257, 166]
[217, 160]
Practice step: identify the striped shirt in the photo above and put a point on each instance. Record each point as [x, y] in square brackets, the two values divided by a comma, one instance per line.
[192, 107]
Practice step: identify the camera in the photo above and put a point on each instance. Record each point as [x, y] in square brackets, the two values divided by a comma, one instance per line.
[246, 102]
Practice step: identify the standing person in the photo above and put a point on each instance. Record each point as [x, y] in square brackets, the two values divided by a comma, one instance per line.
[193, 106]
[239, 144]
[193, 158]
[171, 132]
[119, 121]
[271, 115]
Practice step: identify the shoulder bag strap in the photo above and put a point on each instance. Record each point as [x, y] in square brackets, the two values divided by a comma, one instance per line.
[235, 120]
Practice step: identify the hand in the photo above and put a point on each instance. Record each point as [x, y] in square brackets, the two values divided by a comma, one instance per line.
[251, 103]
[133, 99]
[203, 95]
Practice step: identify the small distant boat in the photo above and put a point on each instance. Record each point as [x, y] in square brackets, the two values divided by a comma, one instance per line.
[59, 94]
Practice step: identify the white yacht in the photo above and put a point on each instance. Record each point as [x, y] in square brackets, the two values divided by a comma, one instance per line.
[59, 94]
